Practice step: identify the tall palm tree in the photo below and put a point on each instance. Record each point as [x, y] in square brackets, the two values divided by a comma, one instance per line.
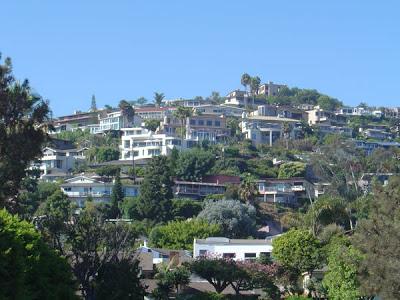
[254, 85]
[287, 129]
[248, 190]
[182, 113]
[158, 98]
[245, 81]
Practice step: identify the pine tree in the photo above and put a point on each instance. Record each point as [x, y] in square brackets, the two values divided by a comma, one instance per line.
[155, 191]
[117, 196]
[93, 106]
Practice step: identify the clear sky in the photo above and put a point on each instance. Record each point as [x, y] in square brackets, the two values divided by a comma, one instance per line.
[124, 49]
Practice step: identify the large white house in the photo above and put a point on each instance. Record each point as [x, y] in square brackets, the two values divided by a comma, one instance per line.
[237, 249]
[139, 143]
[58, 160]
[79, 188]
[115, 120]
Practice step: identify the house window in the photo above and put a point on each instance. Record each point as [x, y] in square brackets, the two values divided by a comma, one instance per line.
[127, 144]
[203, 252]
[209, 123]
[217, 123]
[250, 256]
[201, 122]
[192, 122]
[228, 255]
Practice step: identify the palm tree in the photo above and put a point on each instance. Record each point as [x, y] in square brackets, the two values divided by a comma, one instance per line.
[254, 85]
[127, 110]
[182, 113]
[158, 98]
[287, 129]
[245, 81]
[248, 190]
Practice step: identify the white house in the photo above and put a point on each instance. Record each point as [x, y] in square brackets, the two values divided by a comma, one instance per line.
[58, 160]
[139, 143]
[115, 120]
[79, 188]
[237, 249]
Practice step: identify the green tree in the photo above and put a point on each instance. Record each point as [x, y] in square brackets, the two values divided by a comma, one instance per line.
[29, 269]
[24, 117]
[341, 279]
[55, 212]
[194, 164]
[117, 196]
[237, 220]
[378, 239]
[176, 278]
[254, 85]
[185, 208]
[182, 113]
[155, 191]
[292, 169]
[180, 234]
[248, 190]
[93, 106]
[93, 245]
[328, 103]
[297, 249]
[217, 271]
[158, 98]
[151, 124]
[102, 154]
[245, 80]
[119, 279]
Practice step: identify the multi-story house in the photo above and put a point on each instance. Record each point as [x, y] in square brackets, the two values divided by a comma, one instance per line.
[79, 188]
[222, 109]
[369, 147]
[201, 127]
[359, 111]
[77, 120]
[236, 249]
[209, 185]
[113, 121]
[268, 129]
[392, 112]
[139, 143]
[328, 122]
[238, 97]
[156, 113]
[270, 89]
[285, 191]
[376, 134]
[281, 111]
[187, 102]
[58, 160]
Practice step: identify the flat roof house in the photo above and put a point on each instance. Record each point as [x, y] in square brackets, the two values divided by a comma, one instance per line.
[237, 249]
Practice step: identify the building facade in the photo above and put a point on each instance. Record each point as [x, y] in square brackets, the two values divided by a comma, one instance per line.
[237, 249]
[79, 188]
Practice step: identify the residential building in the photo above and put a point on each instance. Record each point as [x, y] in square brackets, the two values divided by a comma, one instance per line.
[281, 111]
[392, 112]
[369, 146]
[197, 101]
[58, 160]
[270, 89]
[238, 97]
[77, 120]
[201, 127]
[237, 249]
[156, 113]
[366, 180]
[112, 121]
[139, 143]
[376, 134]
[210, 185]
[284, 191]
[268, 129]
[79, 188]
[222, 109]
[330, 129]
[320, 116]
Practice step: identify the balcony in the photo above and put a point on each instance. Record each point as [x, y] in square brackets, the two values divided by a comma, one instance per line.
[86, 194]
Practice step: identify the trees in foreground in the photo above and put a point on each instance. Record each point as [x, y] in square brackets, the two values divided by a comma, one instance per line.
[24, 116]
[29, 269]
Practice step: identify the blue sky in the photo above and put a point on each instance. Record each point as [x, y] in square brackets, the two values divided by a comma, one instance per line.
[125, 49]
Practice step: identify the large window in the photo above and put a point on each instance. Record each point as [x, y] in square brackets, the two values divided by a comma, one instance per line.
[228, 255]
[250, 256]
